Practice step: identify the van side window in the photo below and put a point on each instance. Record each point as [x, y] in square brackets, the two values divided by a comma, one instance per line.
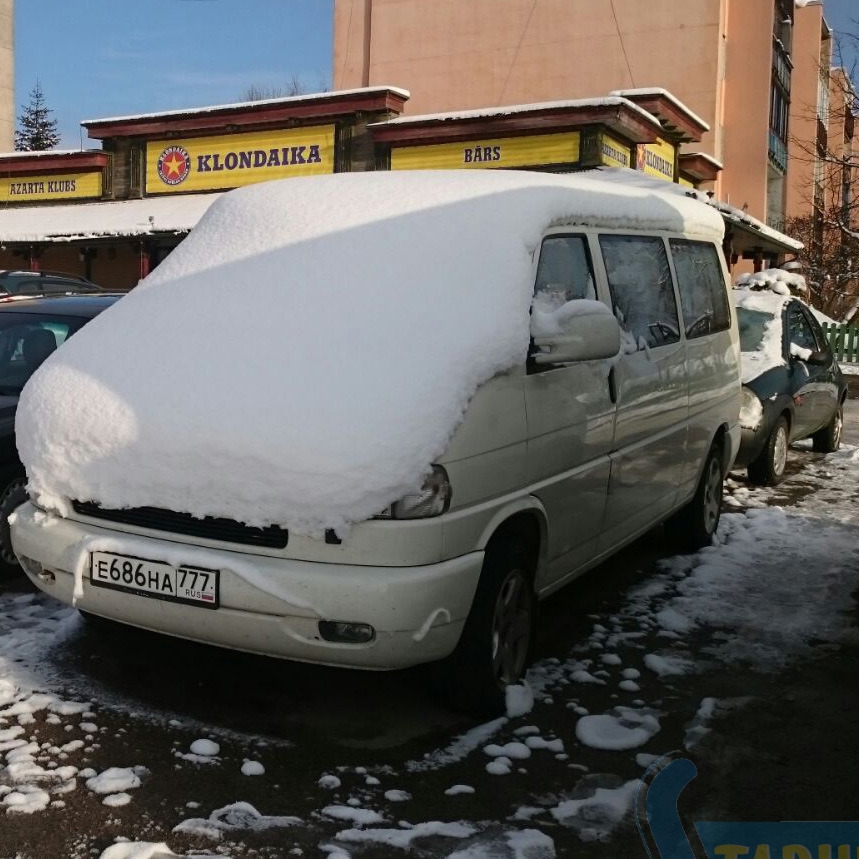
[641, 290]
[564, 272]
[701, 283]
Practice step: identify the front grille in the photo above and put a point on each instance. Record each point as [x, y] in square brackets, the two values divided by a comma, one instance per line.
[209, 528]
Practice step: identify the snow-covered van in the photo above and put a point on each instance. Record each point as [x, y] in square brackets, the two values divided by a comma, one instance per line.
[371, 419]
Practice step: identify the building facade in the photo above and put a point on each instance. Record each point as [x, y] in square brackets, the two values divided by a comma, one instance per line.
[112, 214]
[730, 61]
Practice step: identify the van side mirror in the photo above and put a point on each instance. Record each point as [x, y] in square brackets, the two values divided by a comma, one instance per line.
[589, 337]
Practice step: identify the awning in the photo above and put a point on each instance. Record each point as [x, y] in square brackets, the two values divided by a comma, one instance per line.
[750, 237]
[176, 214]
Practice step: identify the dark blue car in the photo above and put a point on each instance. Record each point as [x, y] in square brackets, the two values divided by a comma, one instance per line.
[793, 387]
[31, 328]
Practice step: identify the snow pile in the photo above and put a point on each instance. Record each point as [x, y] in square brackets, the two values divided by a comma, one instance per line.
[403, 838]
[596, 815]
[236, 817]
[625, 729]
[148, 850]
[305, 355]
[117, 779]
[776, 279]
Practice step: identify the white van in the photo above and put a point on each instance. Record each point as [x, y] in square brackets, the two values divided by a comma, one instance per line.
[370, 420]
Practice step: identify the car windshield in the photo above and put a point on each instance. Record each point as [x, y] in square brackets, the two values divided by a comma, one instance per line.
[26, 340]
[752, 324]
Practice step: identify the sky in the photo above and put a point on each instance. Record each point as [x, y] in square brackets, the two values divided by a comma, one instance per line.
[101, 58]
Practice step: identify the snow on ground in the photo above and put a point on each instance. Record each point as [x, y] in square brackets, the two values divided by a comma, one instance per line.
[584, 726]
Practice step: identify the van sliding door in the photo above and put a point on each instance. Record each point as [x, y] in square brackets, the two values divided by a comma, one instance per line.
[650, 381]
[570, 419]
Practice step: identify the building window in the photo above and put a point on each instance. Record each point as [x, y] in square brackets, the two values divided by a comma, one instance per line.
[779, 110]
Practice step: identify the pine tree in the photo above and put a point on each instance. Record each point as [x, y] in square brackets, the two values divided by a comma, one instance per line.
[37, 129]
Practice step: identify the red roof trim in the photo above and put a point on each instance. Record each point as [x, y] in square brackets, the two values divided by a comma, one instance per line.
[621, 119]
[679, 125]
[699, 167]
[43, 164]
[265, 115]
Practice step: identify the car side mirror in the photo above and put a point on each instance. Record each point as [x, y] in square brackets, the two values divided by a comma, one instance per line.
[819, 358]
[586, 337]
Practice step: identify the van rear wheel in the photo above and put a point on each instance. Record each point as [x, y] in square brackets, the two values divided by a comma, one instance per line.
[694, 525]
[495, 645]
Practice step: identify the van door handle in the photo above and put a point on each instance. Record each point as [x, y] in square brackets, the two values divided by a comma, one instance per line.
[612, 385]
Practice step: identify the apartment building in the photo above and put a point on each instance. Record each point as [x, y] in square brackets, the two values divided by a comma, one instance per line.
[730, 61]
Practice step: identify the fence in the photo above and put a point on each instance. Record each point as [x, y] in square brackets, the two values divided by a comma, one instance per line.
[844, 340]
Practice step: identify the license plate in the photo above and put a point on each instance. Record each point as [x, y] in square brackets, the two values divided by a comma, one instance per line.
[189, 585]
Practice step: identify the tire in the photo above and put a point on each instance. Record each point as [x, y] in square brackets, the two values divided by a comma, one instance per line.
[828, 440]
[12, 494]
[496, 642]
[768, 468]
[693, 527]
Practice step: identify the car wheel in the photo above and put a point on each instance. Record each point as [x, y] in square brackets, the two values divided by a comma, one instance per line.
[768, 468]
[495, 645]
[694, 525]
[12, 495]
[828, 440]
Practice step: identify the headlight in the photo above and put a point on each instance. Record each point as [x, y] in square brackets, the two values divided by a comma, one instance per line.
[432, 499]
[751, 411]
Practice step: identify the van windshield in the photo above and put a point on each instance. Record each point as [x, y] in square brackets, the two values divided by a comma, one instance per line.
[752, 324]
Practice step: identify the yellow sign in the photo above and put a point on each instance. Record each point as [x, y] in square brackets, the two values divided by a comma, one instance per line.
[685, 183]
[231, 160]
[532, 151]
[657, 159]
[61, 186]
[613, 153]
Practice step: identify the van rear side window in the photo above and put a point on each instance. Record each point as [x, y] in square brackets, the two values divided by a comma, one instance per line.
[702, 288]
[642, 291]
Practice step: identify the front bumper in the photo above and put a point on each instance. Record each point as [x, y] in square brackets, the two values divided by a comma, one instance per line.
[752, 442]
[270, 606]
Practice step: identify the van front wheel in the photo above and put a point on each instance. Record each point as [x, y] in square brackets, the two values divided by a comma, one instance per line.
[496, 641]
[693, 526]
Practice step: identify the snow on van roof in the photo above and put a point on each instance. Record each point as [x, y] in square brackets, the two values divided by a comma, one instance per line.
[308, 351]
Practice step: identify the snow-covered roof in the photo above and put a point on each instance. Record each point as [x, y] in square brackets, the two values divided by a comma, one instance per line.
[77, 221]
[47, 153]
[707, 157]
[308, 351]
[738, 216]
[268, 102]
[509, 109]
[659, 92]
